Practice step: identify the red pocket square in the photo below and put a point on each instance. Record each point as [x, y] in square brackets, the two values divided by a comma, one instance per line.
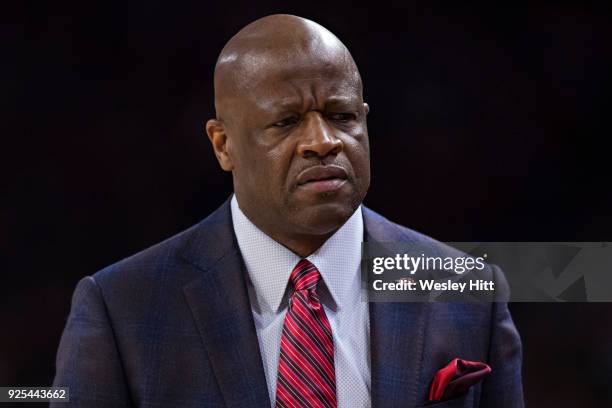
[456, 378]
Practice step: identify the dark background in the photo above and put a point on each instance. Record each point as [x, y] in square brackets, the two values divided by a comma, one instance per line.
[485, 124]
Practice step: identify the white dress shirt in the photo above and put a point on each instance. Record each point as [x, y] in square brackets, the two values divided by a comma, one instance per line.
[269, 265]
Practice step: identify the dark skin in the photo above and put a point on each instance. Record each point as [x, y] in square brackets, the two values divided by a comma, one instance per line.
[291, 127]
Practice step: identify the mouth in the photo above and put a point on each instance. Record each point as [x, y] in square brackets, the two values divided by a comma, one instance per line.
[322, 178]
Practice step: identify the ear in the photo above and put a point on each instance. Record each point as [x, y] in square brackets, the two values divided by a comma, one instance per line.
[218, 138]
[366, 107]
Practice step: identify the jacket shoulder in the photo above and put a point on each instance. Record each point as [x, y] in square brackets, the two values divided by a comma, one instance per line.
[204, 241]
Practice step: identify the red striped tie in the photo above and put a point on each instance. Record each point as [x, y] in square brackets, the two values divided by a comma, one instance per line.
[306, 376]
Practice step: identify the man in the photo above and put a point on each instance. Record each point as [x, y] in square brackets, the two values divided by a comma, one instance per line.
[260, 303]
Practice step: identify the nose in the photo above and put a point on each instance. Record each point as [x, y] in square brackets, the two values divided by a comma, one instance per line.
[318, 138]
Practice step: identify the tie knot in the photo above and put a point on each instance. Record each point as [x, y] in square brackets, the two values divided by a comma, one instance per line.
[304, 276]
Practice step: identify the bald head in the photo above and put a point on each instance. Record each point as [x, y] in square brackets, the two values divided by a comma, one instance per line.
[272, 42]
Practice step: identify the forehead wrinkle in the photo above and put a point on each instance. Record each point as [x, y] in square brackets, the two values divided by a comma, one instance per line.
[287, 104]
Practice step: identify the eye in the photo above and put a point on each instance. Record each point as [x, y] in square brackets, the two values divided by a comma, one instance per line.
[290, 121]
[342, 116]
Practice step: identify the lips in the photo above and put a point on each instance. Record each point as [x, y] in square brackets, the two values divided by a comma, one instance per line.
[322, 180]
[321, 173]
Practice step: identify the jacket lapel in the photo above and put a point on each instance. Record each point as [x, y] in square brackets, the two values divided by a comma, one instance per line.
[397, 332]
[220, 305]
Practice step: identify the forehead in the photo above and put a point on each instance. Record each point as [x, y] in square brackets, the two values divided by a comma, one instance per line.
[295, 75]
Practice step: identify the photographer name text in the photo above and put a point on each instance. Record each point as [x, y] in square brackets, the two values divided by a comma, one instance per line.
[429, 285]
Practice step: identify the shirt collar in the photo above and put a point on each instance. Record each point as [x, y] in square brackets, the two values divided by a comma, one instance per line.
[269, 263]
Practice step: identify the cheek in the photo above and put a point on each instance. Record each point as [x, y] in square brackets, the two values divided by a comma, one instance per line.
[274, 166]
[281, 158]
[358, 152]
[358, 135]
[250, 170]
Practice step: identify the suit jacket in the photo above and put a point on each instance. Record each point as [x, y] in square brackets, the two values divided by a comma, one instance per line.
[172, 326]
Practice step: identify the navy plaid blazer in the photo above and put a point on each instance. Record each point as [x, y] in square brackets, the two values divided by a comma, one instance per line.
[172, 327]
